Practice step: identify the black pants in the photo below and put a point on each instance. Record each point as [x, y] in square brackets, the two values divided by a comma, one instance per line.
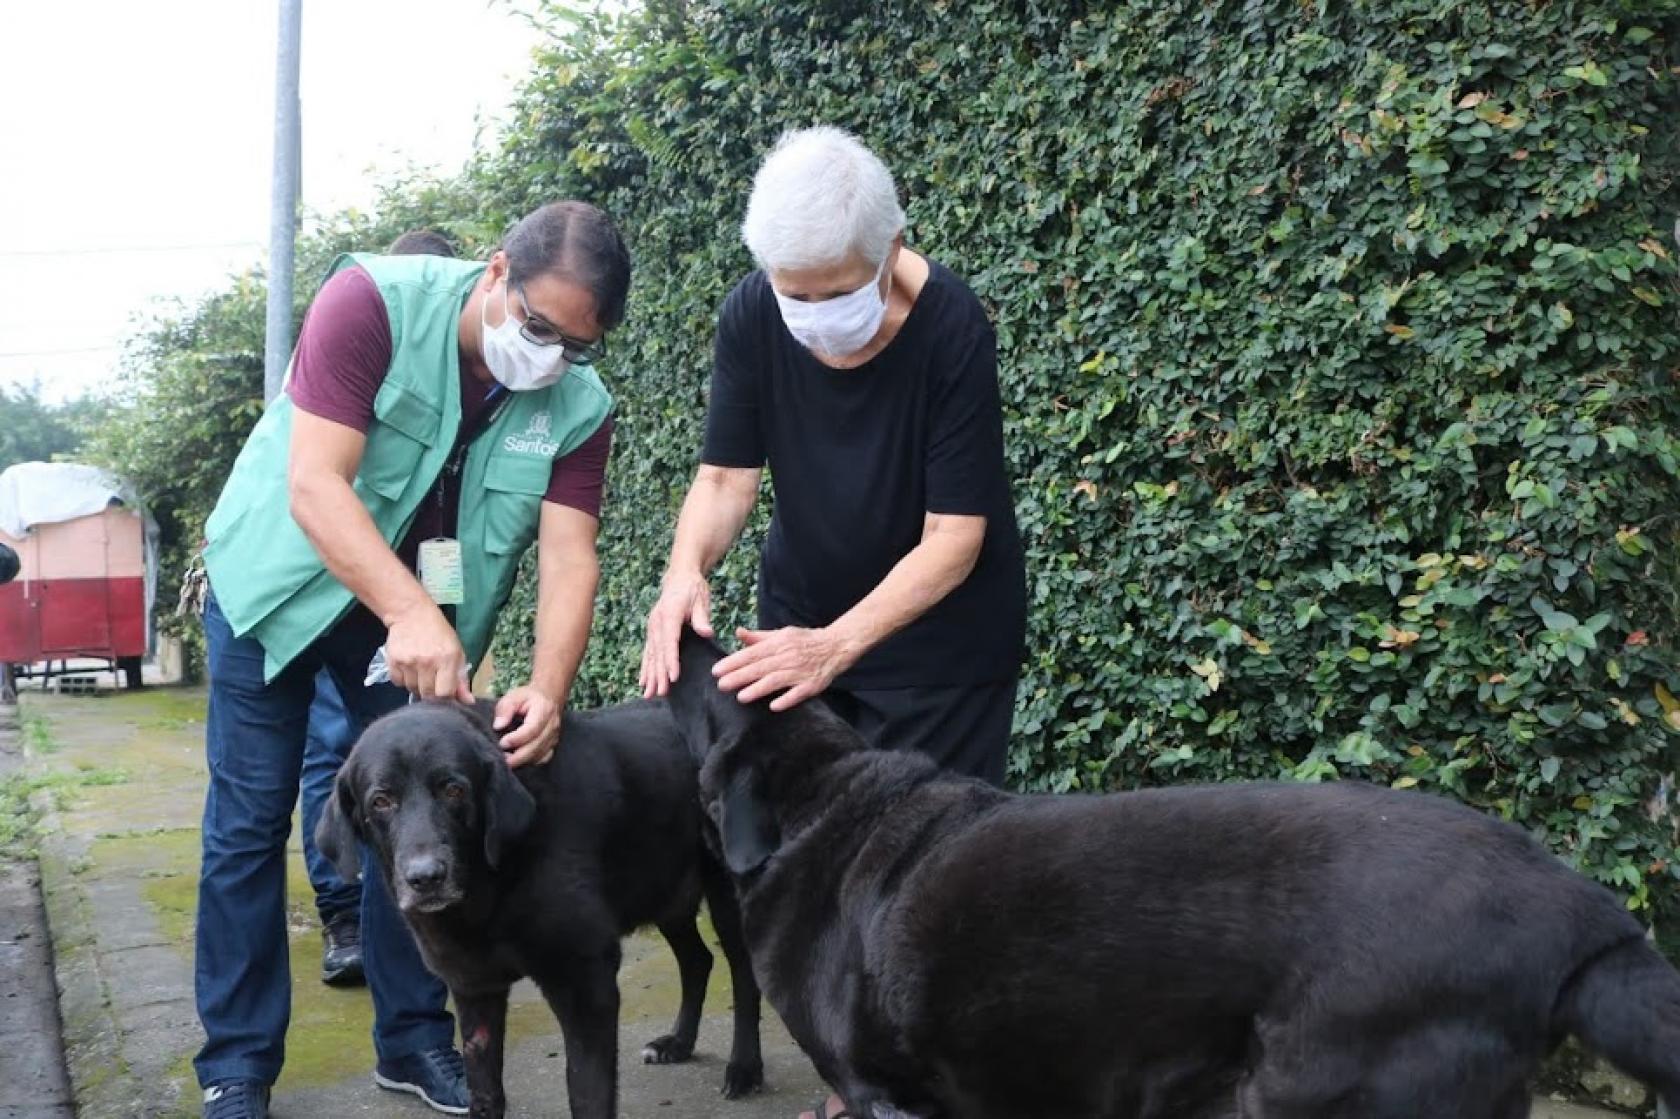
[965, 729]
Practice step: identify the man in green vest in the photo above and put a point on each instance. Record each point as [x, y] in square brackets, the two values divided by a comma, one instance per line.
[439, 417]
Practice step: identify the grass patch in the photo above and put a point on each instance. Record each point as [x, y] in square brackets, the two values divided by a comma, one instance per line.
[18, 815]
[37, 735]
[159, 708]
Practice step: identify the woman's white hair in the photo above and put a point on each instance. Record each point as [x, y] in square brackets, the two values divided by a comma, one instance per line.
[821, 198]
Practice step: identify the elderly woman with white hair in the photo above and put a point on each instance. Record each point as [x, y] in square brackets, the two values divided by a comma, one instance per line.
[865, 375]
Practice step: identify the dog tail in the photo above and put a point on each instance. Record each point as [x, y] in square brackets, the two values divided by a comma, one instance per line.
[1625, 1005]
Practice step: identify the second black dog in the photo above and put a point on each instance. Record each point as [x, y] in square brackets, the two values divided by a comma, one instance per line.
[538, 872]
[945, 950]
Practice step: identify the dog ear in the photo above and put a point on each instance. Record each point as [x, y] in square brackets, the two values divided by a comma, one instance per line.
[509, 809]
[336, 833]
[745, 825]
[705, 714]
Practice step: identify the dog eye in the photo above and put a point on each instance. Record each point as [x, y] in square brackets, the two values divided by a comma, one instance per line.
[380, 802]
[454, 791]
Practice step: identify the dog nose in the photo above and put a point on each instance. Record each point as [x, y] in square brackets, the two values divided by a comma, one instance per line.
[423, 871]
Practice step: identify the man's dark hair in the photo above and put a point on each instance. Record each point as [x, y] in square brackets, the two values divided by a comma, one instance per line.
[10, 565]
[579, 243]
[421, 242]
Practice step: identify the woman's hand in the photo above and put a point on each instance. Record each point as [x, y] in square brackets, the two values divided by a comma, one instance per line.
[684, 599]
[800, 663]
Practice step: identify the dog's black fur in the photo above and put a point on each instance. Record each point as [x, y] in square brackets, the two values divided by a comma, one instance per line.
[941, 948]
[538, 872]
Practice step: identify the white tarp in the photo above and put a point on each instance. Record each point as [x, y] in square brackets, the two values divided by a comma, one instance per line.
[45, 493]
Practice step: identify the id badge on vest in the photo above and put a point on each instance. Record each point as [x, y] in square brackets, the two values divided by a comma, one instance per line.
[441, 571]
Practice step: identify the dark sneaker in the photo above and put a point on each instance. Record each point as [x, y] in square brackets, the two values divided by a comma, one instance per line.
[341, 952]
[438, 1076]
[239, 1099]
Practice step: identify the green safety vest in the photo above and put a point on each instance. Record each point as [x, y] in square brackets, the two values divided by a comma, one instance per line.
[267, 577]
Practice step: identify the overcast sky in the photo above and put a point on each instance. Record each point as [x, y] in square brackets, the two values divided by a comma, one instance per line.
[136, 138]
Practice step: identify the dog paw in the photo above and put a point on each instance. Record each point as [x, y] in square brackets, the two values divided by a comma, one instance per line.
[667, 1050]
[742, 1078]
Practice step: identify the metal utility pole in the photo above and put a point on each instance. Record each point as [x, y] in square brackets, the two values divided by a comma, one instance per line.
[282, 226]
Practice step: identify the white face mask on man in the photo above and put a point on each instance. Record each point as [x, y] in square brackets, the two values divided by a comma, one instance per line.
[840, 326]
[520, 364]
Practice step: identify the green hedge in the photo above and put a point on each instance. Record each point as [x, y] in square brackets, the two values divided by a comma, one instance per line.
[1339, 348]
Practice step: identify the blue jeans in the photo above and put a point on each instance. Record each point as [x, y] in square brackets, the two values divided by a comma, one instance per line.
[254, 744]
[331, 735]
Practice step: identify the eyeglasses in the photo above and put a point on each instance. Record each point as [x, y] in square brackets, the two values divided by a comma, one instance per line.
[540, 332]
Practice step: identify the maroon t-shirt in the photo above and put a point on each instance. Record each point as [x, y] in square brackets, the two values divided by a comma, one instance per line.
[343, 354]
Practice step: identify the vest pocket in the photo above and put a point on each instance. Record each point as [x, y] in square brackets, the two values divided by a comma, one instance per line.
[389, 462]
[514, 486]
[405, 425]
[408, 412]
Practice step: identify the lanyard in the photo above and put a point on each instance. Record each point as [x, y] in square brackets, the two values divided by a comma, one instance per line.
[494, 401]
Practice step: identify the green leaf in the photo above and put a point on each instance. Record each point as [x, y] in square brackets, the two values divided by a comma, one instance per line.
[1553, 619]
[1588, 72]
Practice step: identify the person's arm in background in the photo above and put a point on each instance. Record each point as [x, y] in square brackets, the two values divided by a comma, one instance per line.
[713, 515]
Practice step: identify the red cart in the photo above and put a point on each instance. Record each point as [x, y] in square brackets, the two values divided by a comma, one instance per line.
[81, 592]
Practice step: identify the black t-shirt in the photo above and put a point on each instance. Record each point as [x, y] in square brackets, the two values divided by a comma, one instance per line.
[858, 457]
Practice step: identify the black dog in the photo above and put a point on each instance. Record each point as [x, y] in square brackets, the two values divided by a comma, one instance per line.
[942, 948]
[538, 872]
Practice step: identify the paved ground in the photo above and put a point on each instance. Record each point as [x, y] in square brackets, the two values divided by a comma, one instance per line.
[32, 1080]
[119, 869]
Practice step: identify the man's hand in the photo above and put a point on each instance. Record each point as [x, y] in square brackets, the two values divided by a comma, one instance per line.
[799, 663]
[425, 655]
[683, 599]
[537, 714]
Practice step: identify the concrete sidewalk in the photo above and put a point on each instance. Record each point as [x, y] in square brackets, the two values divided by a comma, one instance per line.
[119, 863]
[33, 1084]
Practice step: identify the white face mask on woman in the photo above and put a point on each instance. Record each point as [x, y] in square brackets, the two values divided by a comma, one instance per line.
[520, 364]
[840, 326]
